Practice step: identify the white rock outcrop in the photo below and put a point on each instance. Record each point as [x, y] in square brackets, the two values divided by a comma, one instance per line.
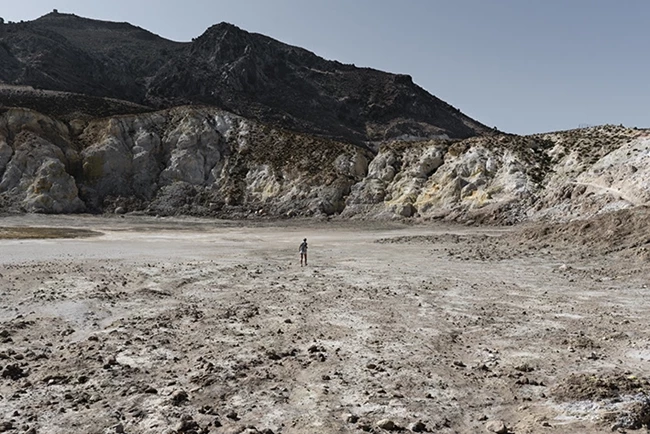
[206, 161]
[33, 168]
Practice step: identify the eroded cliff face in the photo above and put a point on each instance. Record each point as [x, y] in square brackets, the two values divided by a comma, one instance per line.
[205, 161]
[181, 161]
[443, 179]
[508, 179]
[35, 163]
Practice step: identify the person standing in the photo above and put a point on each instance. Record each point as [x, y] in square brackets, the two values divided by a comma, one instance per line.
[303, 252]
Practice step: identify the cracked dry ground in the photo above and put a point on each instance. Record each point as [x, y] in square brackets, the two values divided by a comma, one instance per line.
[189, 326]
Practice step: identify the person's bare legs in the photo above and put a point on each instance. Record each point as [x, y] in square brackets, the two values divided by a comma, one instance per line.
[302, 257]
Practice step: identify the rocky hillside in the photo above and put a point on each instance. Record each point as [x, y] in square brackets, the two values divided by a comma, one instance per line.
[66, 106]
[209, 162]
[107, 117]
[508, 179]
[186, 160]
[248, 74]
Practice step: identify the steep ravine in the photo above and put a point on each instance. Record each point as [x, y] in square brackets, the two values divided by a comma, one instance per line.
[205, 161]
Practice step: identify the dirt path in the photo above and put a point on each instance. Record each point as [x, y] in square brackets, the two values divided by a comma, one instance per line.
[192, 326]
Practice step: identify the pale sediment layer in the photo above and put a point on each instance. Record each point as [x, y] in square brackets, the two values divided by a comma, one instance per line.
[208, 162]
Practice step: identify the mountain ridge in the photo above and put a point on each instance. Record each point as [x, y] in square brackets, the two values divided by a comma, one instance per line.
[246, 73]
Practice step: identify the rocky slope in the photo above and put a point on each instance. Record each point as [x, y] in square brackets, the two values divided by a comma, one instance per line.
[268, 129]
[249, 74]
[509, 179]
[66, 106]
[185, 160]
[206, 161]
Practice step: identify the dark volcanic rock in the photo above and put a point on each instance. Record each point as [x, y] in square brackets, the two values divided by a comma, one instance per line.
[249, 74]
[74, 54]
[14, 372]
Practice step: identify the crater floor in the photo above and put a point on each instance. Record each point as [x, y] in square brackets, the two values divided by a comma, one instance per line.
[188, 325]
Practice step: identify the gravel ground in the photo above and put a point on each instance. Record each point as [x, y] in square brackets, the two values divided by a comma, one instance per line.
[192, 326]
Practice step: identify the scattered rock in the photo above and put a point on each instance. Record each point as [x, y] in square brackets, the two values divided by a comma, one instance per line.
[525, 367]
[112, 361]
[388, 425]
[6, 426]
[351, 418]
[583, 387]
[56, 379]
[14, 372]
[179, 397]
[405, 210]
[186, 424]
[418, 426]
[497, 426]
[272, 355]
[232, 415]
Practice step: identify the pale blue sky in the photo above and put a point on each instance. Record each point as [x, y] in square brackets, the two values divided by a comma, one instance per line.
[523, 66]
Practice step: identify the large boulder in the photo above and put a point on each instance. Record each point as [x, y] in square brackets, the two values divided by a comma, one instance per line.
[53, 190]
[34, 169]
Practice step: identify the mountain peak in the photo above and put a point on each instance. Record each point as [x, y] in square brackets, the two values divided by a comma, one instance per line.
[225, 26]
[81, 28]
[247, 73]
[54, 14]
[218, 31]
